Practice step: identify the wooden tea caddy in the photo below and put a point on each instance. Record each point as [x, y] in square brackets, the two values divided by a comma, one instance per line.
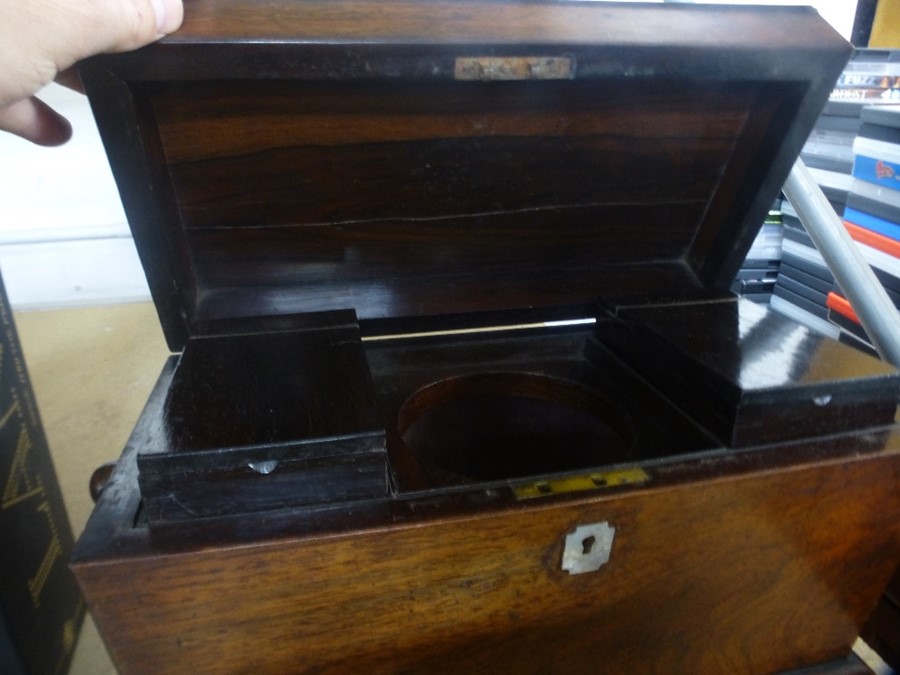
[376, 450]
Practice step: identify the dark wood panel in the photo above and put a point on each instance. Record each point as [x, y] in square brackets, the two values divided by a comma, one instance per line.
[447, 179]
[564, 241]
[219, 119]
[264, 420]
[498, 23]
[404, 299]
[241, 489]
[353, 115]
[750, 375]
[331, 154]
[272, 389]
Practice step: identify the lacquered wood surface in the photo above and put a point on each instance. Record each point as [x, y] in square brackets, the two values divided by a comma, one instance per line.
[480, 408]
[757, 350]
[654, 383]
[276, 415]
[263, 420]
[749, 375]
[493, 22]
[311, 168]
[265, 115]
[415, 188]
[267, 389]
[749, 563]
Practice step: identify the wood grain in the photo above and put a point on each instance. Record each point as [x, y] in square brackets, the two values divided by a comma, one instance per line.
[745, 562]
[745, 574]
[309, 150]
[291, 157]
[749, 375]
[199, 121]
[476, 22]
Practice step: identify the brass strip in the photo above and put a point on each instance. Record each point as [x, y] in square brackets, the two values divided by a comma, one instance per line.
[592, 481]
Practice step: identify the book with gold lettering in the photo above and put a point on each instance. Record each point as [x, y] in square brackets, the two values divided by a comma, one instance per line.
[41, 609]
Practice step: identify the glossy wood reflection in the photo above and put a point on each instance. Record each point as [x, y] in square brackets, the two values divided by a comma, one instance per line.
[264, 419]
[750, 375]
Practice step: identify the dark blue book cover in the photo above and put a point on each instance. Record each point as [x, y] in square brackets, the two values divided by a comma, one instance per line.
[40, 605]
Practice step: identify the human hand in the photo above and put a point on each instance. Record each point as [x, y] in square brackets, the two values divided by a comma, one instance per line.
[39, 39]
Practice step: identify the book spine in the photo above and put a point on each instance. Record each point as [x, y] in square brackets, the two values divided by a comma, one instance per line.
[40, 603]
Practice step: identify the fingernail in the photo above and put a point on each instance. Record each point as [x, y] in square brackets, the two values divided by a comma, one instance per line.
[169, 14]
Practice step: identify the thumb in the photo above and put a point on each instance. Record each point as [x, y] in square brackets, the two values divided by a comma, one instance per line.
[169, 14]
[124, 25]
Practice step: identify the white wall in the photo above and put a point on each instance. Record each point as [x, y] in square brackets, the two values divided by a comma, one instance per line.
[63, 235]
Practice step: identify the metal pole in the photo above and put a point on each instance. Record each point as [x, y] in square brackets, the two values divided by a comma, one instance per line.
[872, 305]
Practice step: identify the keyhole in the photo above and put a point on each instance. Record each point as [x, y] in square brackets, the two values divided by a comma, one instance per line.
[587, 549]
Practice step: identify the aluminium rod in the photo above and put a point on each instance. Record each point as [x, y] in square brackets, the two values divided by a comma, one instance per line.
[867, 296]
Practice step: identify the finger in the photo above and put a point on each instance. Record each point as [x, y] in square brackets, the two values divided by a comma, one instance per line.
[35, 121]
[129, 24]
[169, 15]
[43, 37]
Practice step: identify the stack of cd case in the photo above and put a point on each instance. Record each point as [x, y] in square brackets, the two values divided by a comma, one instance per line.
[804, 280]
[871, 77]
[874, 199]
[872, 214]
[828, 151]
[756, 279]
[804, 288]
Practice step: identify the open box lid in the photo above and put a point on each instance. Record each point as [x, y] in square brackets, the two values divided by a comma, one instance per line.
[418, 160]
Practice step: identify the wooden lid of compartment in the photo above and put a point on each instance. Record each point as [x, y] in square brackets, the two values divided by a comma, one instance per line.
[427, 159]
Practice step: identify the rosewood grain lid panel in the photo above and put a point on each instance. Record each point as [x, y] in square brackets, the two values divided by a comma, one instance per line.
[334, 183]
[410, 160]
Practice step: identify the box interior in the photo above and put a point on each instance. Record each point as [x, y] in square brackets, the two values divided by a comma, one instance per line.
[426, 199]
[439, 177]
